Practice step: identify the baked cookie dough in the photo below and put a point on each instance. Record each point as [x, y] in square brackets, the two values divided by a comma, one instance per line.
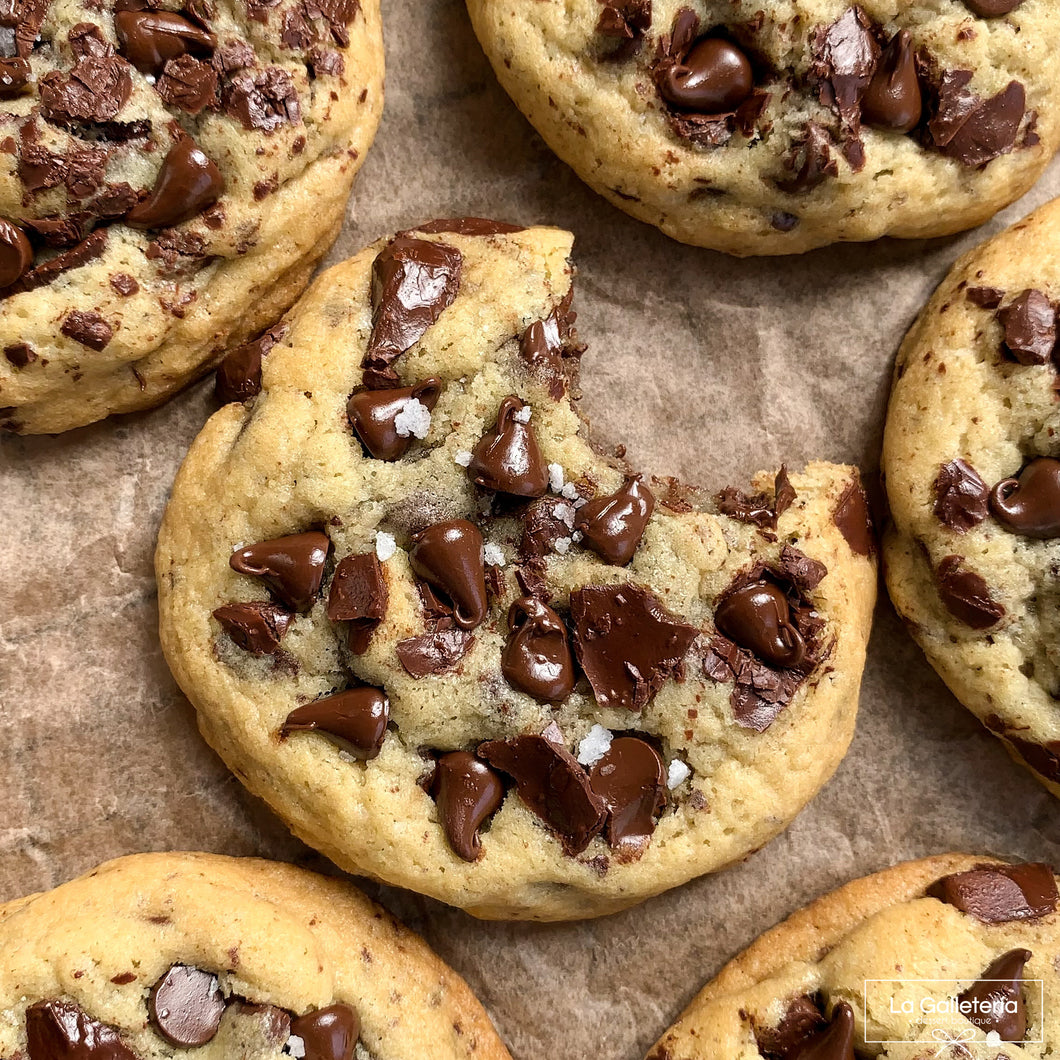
[776, 127]
[949, 957]
[969, 457]
[199, 956]
[171, 172]
[459, 649]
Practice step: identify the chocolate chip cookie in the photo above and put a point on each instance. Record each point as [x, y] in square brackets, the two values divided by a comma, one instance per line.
[459, 649]
[196, 955]
[951, 956]
[171, 173]
[773, 128]
[970, 458]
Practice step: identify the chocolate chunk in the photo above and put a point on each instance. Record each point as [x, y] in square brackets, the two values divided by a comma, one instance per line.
[413, 282]
[761, 509]
[757, 617]
[434, 652]
[985, 297]
[507, 458]
[124, 284]
[628, 644]
[612, 526]
[239, 374]
[995, 1002]
[853, 520]
[15, 76]
[26, 18]
[467, 792]
[971, 130]
[1030, 505]
[94, 91]
[60, 1030]
[545, 343]
[809, 160]
[329, 1033]
[448, 556]
[186, 1006]
[188, 84]
[359, 596]
[893, 99]
[713, 77]
[626, 20]
[256, 627]
[292, 567]
[149, 39]
[187, 184]
[356, 719]
[537, 658]
[1042, 758]
[88, 328]
[1029, 324]
[632, 782]
[373, 414]
[802, 1020]
[992, 8]
[845, 57]
[834, 1042]
[966, 594]
[552, 784]
[16, 253]
[337, 13]
[998, 894]
[960, 496]
[43, 274]
[804, 573]
[262, 99]
[19, 354]
[233, 55]
[469, 226]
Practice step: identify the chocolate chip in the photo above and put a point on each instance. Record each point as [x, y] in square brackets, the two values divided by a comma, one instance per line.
[329, 1033]
[713, 77]
[356, 718]
[966, 594]
[186, 1006]
[845, 57]
[893, 99]
[15, 76]
[448, 556]
[413, 282]
[960, 496]
[292, 567]
[537, 658]
[187, 184]
[469, 226]
[802, 1020]
[467, 792]
[188, 84]
[628, 644]
[255, 627]
[834, 1042]
[16, 253]
[852, 518]
[507, 458]
[239, 374]
[149, 39]
[757, 617]
[1030, 504]
[992, 8]
[971, 130]
[998, 894]
[373, 415]
[995, 1002]
[632, 782]
[359, 596]
[809, 160]
[94, 91]
[88, 328]
[59, 1030]
[19, 354]
[552, 784]
[262, 99]
[612, 526]
[1029, 325]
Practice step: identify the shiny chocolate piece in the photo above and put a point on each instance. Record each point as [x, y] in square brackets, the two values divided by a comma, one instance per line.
[15, 75]
[255, 627]
[16, 253]
[992, 8]
[372, 414]
[552, 784]
[628, 644]
[960, 496]
[149, 39]
[329, 1033]
[761, 509]
[356, 719]
[802, 1020]
[434, 652]
[845, 60]
[995, 1002]
[1029, 325]
[893, 99]
[612, 526]
[186, 1006]
[1030, 504]
[187, 184]
[292, 567]
[239, 374]
[972, 130]
[631, 780]
[852, 518]
[448, 556]
[467, 792]
[413, 282]
[998, 894]
[359, 595]
[834, 1042]
[758, 617]
[507, 458]
[537, 658]
[713, 77]
[966, 594]
[60, 1030]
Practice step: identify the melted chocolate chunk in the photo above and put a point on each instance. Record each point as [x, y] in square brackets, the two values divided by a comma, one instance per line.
[507, 458]
[356, 719]
[14, 77]
[628, 644]
[359, 596]
[998, 894]
[239, 374]
[552, 784]
[845, 58]
[626, 20]
[292, 567]
[537, 657]
[802, 1021]
[329, 1033]
[188, 84]
[255, 627]
[448, 556]
[631, 780]
[149, 39]
[761, 509]
[469, 226]
[971, 130]
[834, 1042]
[88, 328]
[992, 8]
[94, 91]
[757, 617]
[712, 77]
[995, 1002]
[893, 99]
[612, 526]
[59, 1030]
[804, 573]
[852, 517]
[16, 253]
[434, 652]
[338, 14]
[809, 161]
[467, 792]
[187, 184]
[26, 18]
[546, 342]
[413, 282]
[373, 415]
[1042, 758]
[985, 297]
[1029, 325]
[43, 274]
[262, 99]
[186, 1006]
[960, 496]
[966, 594]
[1030, 505]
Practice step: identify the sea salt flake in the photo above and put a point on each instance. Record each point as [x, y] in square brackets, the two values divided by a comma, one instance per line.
[523, 414]
[677, 773]
[385, 546]
[462, 457]
[565, 514]
[295, 1047]
[414, 418]
[570, 492]
[595, 745]
[556, 477]
[562, 545]
[493, 554]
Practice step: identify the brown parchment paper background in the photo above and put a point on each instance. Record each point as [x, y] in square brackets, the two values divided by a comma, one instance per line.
[706, 367]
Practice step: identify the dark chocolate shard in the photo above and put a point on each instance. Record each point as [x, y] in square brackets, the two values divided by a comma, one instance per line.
[999, 894]
[960, 496]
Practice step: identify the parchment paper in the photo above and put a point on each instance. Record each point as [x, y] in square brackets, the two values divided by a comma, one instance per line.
[705, 367]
